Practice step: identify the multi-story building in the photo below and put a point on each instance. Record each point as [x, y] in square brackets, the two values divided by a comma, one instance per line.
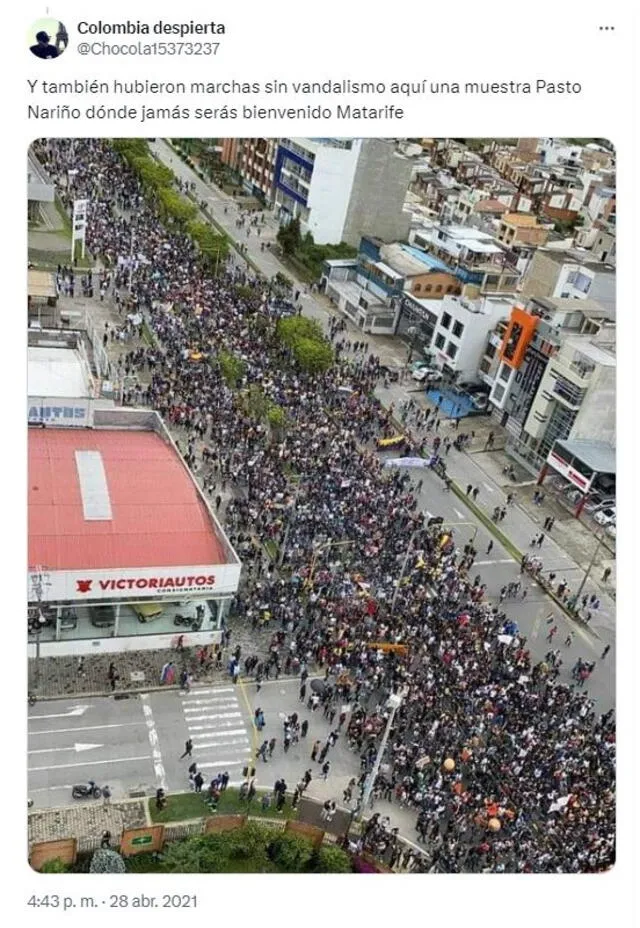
[461, 332]
[569, 274]
[475, 257]
[521, 229]
[552, 376]
[342, 189]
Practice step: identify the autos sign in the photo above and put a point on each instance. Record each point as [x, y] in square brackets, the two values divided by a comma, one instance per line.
[170, 583]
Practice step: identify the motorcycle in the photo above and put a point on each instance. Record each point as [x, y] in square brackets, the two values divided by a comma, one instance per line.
[88, 790]
[189, 621]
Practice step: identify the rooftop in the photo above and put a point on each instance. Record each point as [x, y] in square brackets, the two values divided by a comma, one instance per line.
[57, 372]
[114, 498]
[600, 456]
[41, 284]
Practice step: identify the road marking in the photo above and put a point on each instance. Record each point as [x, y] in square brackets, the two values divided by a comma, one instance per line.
[220, 726]
[55, 731]
[158, 766]
[74, 747]
[75, 710]
[223, 732]
[221, 744]
[488, 488]
[213, 715]
[89, 763]
[218, 689]
[235, 762]
[459, 514]
[214, 702]
[505, 560]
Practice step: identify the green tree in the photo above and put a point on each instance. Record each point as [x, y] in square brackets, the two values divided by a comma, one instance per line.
[232, 368]
[174, 208]
[107, 861]
[244, 849]
[331, 859]
[291, 329]
[313, 357]
[292, 853]
[256, 403]
[289, 237]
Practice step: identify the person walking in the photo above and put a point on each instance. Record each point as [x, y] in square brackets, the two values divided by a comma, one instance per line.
[303, 692]
[106, 795]
[198, 780]
[304, 728]
[262, 751]
[188, 748]
[326, 769]
[323, 753]
[605, 652]
[272, 746]
[315, 749]
[552, 631]
[490, 546]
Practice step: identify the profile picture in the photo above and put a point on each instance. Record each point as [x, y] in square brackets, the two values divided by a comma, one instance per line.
[48, 38]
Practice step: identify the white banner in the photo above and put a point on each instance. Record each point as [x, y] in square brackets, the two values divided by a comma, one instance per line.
[406, 462]
[67, 413]
[170, 583]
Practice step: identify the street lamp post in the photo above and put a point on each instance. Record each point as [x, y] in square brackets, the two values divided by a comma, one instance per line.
[414, 534]
[325, 545]
[590, 567]
[393, 704]
[412, 331]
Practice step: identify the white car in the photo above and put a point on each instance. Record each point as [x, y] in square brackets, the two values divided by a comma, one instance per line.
[596, 503]
[427, 374]
[611, 530]
[605, 516]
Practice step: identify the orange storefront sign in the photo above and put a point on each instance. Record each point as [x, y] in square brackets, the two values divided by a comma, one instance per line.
[517, 338]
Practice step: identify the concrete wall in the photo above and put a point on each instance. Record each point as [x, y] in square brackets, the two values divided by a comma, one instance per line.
[596, 420]
[541, 276]
[332, 180]
[80, 646]
[377, 198]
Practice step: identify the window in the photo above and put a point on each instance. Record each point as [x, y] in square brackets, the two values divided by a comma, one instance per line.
[452, 350]
[439, 289]
[445, 322]
[505, 372]
[417, 288]
[427, 288]
[458, 329]
[440, 341]
[498, 393]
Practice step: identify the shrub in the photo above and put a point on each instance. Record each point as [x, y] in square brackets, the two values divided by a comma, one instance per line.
[291, 853]
[54, 866]
[331, 859]
[107, 861]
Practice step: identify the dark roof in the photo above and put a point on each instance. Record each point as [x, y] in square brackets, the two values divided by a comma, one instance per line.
[600, 456]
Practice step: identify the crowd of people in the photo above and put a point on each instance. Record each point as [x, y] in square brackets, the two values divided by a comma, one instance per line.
[507, 769]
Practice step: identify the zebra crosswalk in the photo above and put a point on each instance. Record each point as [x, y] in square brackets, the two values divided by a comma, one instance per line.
[218, 729]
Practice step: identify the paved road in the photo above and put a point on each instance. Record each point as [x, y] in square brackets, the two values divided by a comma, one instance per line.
[136, 743]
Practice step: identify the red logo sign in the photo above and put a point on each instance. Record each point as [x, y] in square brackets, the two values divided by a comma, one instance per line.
[84, 585]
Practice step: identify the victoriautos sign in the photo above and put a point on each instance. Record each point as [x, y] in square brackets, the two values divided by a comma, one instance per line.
[171, 583]
[67, 413]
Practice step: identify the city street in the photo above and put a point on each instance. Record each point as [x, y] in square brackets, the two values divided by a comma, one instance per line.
[136, 743]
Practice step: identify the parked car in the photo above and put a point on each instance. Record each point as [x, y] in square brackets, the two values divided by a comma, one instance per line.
[418, 365]
[146, 612]
[596, 502]
[102, 616]
[480, 400]
[605, 516]
[428, 375]
[573, 494]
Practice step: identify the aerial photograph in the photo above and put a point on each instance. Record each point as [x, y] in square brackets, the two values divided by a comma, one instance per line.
[321, 505]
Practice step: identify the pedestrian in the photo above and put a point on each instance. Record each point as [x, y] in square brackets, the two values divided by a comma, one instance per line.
[304, 728]
[568, 641]
[161, 800]
[606, 574]
[272, 745]
[326, 768]
[474, 493]
[188, 748]
[198, 780]
[262, 751]
[315, 749]
[469, 488]
[106, 795]
[490, 546]
[323, 753]
[303, 692]
[552, 631]
[605, 652]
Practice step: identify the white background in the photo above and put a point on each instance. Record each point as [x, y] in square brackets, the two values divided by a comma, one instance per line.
[407, 41]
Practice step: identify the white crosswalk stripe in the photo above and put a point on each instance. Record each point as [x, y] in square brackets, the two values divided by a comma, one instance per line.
[218, 728]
